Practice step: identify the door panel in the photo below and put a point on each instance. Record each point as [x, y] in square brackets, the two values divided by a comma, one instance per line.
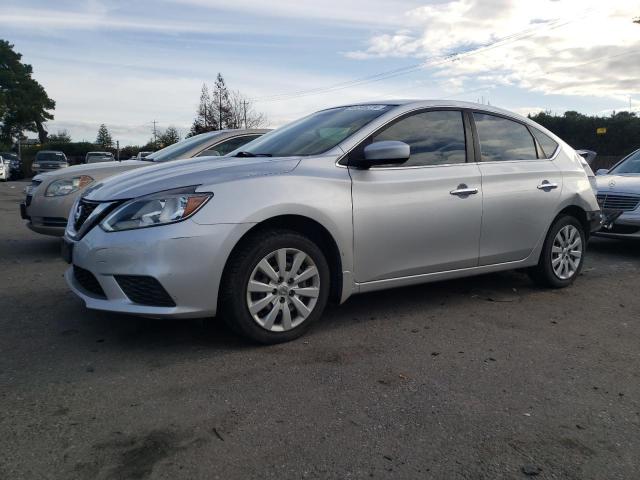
[516, 212]
[406, 221]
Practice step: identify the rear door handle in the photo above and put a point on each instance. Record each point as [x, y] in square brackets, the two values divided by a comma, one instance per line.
[546, 185]
[463, 190]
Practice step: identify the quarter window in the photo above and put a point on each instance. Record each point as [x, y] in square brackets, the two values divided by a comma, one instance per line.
[435, 137]
[502, 139]
[547, 143]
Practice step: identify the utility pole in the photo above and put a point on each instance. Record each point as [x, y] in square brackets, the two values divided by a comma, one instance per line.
[155, 136]
[118, 150]
[244, 108]
[220, 110]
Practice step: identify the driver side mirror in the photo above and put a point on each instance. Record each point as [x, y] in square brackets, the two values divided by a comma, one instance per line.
[602, 171]
[387, 152]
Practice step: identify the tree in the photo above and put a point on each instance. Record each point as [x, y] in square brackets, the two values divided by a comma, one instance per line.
[104, 139]
[61, 137]
[24, 104]
[224, 108]
[168, 137]
[220, 103]
[205, 120]
[243, 113]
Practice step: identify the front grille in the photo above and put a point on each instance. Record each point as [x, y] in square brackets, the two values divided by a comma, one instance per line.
[88, 281]
[616, 201]
[86, 208]
[144, 290]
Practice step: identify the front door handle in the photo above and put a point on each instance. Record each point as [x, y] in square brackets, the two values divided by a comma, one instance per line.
[546, 185]
[463, 190]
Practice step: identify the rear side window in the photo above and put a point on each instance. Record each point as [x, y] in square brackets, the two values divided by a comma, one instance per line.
[502, 139]
[547, 143]
[435, 137]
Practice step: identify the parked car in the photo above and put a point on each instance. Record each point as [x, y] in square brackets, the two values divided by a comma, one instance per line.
[5, 169]
[97, 157]
[142, 155]
[49, 160]
[347, 200]
[619, 197]
[15, 165]
[50, 196]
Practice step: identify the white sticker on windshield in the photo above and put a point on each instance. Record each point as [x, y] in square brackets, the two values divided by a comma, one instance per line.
[374, 108]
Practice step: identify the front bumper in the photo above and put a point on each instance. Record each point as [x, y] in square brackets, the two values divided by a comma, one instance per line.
[627, 225]
[186, 258]
[47, 215]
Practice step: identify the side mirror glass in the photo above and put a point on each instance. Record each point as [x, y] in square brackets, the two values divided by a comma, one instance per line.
[388, 152]
[602, 171]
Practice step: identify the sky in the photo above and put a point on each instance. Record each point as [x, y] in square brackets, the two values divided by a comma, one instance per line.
[126, 63]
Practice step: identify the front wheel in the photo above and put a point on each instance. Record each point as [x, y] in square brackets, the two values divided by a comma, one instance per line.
[562, 254]
[275, 286]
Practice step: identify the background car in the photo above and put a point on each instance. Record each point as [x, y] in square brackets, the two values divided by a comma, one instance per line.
[49, 160]
[50, 196]
[15, 165]
[5, 169]
[619, 198]
[348, 200]
[96, 157]
[142, 155]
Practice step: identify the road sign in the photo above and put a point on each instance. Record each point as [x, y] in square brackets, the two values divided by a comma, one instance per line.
[601, 131]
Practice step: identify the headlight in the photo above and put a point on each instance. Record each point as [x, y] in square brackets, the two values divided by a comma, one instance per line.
[65, 186]
[35, 165]
[158, 209]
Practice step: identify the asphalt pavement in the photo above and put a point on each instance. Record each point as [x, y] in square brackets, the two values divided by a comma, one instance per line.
[483, 378]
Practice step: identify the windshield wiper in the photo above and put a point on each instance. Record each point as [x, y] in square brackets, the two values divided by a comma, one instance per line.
[251, 154]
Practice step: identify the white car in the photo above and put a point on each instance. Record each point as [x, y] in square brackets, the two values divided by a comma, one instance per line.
[5, 169]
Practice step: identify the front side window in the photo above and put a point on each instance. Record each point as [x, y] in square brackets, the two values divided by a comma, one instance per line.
[316, 133]
[548, 144]
[502, 139]
[435, 137]
[629, 166]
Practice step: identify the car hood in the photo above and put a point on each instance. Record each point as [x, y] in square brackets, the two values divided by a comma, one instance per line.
[619, 184]
[97, 170]
[195, 171]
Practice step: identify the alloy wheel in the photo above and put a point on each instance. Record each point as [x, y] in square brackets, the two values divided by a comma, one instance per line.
[566, 252]
[283, 289]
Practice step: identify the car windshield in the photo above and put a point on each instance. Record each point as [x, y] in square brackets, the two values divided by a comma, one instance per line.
[630, 165]
[9, 156]
[177, 150]
[314, 134]
[50, 156]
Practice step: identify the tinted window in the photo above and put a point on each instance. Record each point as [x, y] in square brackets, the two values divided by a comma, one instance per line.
[547, 143]
[435, 138]
[50, 156]
[181, 149]
[227, 146]
[316, 133]
[502, 139]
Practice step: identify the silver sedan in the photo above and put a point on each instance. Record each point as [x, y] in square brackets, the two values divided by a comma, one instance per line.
[619, 197]
[347, 200]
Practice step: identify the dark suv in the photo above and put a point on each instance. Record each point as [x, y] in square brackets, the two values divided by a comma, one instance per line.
[48, 160]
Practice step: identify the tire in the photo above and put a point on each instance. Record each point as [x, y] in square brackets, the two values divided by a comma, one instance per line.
[560, 265]
[286, 309]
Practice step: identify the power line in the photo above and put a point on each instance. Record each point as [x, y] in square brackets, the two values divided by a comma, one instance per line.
[442, 59]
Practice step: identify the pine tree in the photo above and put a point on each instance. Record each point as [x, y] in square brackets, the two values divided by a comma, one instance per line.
[169, 137]
[104, 137]
[205, 120]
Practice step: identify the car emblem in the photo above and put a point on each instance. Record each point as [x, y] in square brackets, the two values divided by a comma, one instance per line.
[612, 183]
[76, 216]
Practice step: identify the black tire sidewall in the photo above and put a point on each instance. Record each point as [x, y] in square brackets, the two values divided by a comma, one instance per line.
[234, 306]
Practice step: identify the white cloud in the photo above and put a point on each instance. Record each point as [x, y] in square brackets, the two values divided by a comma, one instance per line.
[574, 47]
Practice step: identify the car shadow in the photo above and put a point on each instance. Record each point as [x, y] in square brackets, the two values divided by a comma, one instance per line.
[626, 248]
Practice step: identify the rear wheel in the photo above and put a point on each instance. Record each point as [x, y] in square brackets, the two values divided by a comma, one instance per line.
[562, 254]
[275, 286]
